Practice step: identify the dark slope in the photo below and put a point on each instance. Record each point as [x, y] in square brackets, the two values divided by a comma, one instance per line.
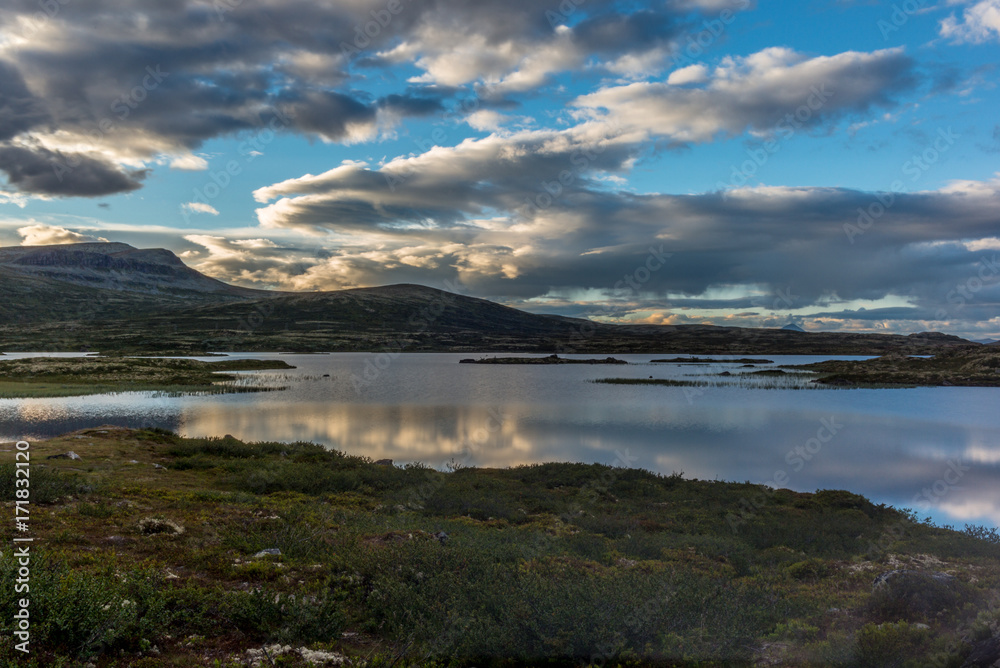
[113, 297]
[99, 281]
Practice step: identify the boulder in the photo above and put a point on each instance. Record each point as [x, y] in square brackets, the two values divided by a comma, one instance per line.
[269, 552]
[984, 654]
[68, 455]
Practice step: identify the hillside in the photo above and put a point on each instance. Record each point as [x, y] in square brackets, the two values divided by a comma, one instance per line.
[149, 301]
[89, 281]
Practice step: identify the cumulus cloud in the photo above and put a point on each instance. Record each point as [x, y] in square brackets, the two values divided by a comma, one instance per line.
[41, 171]
[764, 92]
[123, 84]
[46, 235]
[980, 22]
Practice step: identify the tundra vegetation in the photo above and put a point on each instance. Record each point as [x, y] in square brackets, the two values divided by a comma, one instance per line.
[156, 550]
[74, 376]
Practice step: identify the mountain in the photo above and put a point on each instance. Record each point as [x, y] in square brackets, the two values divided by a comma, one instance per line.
[102, 280]
[115, 298]
[985, 342]
[792, 327]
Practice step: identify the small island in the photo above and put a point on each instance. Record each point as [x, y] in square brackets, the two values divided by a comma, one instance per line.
[969, 367]
[77, 376]
[551, 359]
[709, 360]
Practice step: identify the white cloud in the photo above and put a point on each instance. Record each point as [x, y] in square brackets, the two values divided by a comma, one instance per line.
[755, 93]
[47, 235]
[691, 74]
[201, 207]
[189, 162]
[979, 23]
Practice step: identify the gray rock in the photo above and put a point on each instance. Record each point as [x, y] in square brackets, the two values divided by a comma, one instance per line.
[269, 552]
[984, 654]
[441, 536]
[68, 455]
[384, 462]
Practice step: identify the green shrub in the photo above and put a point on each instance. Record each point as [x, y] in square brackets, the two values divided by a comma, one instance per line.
[809, 569]
[891, 644]
[47, 485]
[81, 614]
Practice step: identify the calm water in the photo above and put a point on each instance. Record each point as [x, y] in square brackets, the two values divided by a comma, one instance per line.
[936, 450]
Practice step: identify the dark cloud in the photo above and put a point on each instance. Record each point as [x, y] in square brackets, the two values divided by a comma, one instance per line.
[19, 109]
[45, 172]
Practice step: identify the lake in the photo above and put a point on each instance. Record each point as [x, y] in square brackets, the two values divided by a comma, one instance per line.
[935, 450]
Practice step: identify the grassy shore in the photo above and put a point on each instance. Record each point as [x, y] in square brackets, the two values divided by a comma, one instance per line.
[144, 555]
[973, 367]
[35, 377]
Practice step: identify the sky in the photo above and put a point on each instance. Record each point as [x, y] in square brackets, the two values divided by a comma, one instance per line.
[829, 163]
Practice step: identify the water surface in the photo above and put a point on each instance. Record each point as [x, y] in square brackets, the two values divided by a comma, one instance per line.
[936, 450]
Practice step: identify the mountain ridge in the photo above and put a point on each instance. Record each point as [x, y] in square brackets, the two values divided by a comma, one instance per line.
[148, 300]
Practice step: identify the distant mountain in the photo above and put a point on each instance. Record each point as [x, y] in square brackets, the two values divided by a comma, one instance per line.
[113, 297]
[102, 280]
[986, 342]
[115, 266]
[792, 327]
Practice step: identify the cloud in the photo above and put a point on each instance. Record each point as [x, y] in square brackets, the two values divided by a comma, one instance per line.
[980, 22]
[45, 172]
[46, 235]
[19, 109]
[201, 207]
[126, 84]
[774, 90]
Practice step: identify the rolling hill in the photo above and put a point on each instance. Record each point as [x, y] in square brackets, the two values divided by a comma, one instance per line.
[115, 298]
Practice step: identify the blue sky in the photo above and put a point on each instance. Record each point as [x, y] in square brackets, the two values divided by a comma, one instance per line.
[832, 163]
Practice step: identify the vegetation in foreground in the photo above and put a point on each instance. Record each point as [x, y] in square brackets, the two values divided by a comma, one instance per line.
[978, 367]
[75, 376]
[554, 564]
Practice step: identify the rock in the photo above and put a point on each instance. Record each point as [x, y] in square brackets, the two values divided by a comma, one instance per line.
[984, 654]
[157, 466]
[441, 537]
[908, 594]
[269, 552]
[155, 525]
[725, 373]
[68, 455]
[384, 462]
